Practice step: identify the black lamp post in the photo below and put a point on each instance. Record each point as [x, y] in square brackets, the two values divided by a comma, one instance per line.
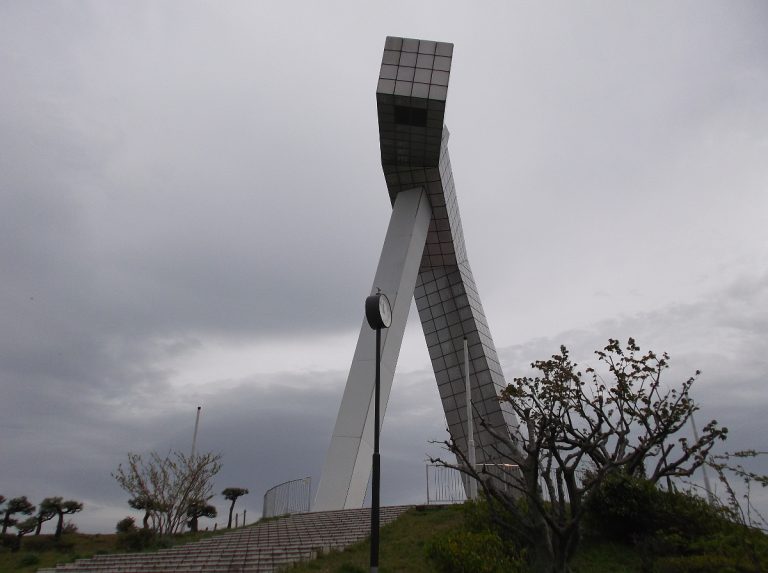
[379, 315]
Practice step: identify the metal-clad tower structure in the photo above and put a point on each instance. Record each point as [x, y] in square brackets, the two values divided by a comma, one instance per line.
[424, 256]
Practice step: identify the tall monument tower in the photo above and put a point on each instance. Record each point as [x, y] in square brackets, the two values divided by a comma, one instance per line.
[423, 256]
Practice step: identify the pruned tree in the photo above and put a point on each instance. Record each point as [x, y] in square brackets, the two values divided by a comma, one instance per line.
[148, 505]
[196, 510]
[168, 485]
[16, 505]
[575, 430]
[22, 528]
[44, 513]
[60, 508]
[232, 493]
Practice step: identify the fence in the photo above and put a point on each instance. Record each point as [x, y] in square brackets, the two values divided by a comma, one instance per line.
[444, 485]
[289, 497]
[447, 485]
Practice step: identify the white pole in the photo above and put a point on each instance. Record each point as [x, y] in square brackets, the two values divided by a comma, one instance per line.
[470, 425]
[710, 495]
[194, 436]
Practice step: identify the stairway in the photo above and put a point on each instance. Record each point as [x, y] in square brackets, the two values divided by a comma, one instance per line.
[261, 548]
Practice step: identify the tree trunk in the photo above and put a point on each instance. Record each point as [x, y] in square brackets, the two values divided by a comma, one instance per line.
[39, 525]
[5, 521]
[59, 525]
[543, 556]
[193, 525]
[231, 507]
[146, 520]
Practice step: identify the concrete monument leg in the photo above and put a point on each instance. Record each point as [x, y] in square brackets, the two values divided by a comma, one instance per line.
[348, 463]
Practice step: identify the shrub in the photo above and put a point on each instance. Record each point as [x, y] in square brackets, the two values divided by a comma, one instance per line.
[69, 527]
[621, 508]
[29, 559]
[472, 552]
[126, 524]
[136, 540]
[8, 540]
[40, 543]
[63, 545]
[480, 517]
[628, 509]
[708, 563]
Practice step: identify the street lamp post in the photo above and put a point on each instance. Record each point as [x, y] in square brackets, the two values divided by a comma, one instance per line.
[470, 427]
[378, 312]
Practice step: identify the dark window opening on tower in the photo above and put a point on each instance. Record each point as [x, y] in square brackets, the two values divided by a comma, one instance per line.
[416, 117]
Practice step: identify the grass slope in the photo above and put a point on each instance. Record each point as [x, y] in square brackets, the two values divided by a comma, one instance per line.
[403, 548]
[41, 551]
[402, 544]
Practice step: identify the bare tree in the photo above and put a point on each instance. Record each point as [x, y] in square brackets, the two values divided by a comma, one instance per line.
[168, 484]
[232, 493]
[577, 429]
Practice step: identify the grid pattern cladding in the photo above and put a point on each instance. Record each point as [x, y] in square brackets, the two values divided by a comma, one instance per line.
[411, 98]
[411, 92]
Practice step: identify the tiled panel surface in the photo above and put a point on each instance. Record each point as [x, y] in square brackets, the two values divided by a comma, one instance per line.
[414, 151]
[411, 93]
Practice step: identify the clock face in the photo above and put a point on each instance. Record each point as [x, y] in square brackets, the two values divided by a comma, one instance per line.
[385, 311]
[377, 311]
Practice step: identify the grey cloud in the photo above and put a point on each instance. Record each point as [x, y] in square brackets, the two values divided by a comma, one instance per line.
[171, 175]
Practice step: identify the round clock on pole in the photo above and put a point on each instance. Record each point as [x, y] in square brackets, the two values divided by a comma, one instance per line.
[378, 312]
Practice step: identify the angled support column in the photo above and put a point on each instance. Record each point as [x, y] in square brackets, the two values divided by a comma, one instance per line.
[348, 463]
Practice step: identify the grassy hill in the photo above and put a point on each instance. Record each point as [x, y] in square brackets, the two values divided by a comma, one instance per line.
[404, 548]
[405, 545]
[40, 551]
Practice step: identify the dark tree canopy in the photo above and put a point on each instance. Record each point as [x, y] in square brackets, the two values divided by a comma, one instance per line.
[26, 526]
[57, 506]
[16, 505]
[232, 493]
[44, 513]
[198, 509]
[146, 504]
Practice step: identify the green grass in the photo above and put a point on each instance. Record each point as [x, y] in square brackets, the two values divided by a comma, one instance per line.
[48, 552]
[402, 546]
[598, 557]
[40, 551]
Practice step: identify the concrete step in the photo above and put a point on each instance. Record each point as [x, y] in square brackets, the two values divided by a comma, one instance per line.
[261, 548]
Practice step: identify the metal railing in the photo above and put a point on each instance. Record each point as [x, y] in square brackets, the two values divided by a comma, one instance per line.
[445, 485]
[288, 497]
[448, 485]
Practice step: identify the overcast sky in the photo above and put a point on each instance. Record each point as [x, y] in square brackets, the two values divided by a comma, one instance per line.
[192, 208]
